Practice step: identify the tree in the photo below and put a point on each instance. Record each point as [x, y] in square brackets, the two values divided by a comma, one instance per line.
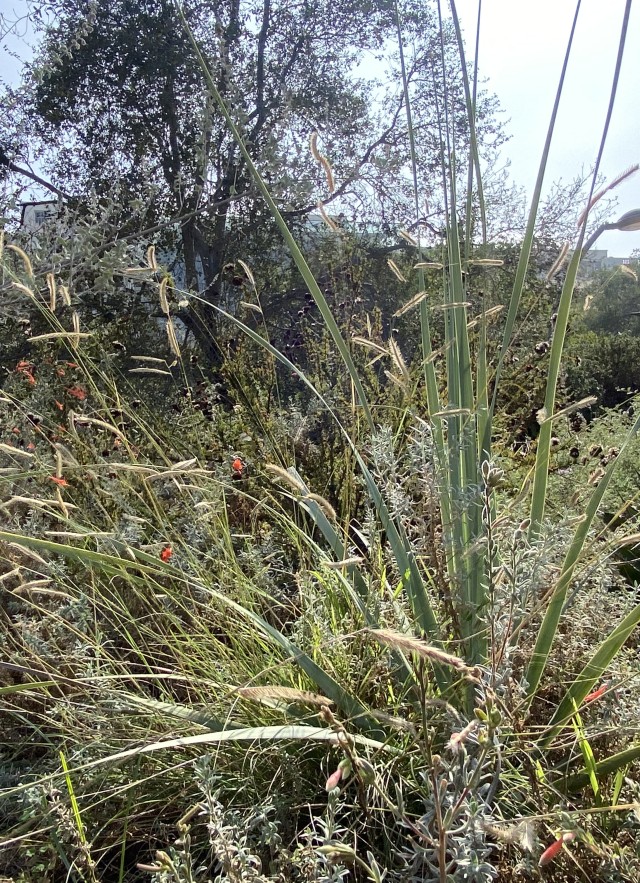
[117, 105]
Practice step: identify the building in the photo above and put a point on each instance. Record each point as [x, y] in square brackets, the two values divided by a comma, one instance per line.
[598, 259]
[34, 214]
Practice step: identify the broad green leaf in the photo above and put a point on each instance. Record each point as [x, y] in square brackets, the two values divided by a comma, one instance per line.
[603, 768]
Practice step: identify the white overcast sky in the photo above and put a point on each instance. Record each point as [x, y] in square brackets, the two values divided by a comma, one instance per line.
[522, 45]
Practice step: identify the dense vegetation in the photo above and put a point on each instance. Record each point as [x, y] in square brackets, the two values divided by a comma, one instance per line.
[319, 522]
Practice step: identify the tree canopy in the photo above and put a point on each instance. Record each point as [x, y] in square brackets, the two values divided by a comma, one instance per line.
[115, 106]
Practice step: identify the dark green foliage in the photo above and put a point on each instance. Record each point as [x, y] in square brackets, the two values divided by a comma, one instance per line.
[604, 365]
[612, 302]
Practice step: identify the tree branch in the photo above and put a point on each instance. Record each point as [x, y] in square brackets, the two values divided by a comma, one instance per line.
[262, 43]
[27, 173]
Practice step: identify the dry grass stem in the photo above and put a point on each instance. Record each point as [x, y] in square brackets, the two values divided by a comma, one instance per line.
[247, 306]
[331, 224]
[627, 271]
[51, 285]
[598, 196]
[60, 335]
[570, 409]
[398, 359]
[23, 289]
[410, 304]
[324, 162]
[410, 644]
[325, 505]
[485, 262]
[286, 476]
[173, 340]
[16, 452]
[371, 344]
[559, 261]
[24, 258]
[33, 501]
[408, 237]
[31, 554]
[162, 293]
[395, 269]
[248, 272]
[454, 305]
[102, 424]
[346, 562]
[284, 694]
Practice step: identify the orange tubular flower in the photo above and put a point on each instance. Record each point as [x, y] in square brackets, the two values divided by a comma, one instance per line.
[166, 553]
[26, 369]
[61, 482]
[552, 852]
[77, 392]
[596, 694]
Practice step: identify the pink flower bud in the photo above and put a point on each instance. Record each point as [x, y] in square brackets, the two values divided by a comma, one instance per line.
[334, 780]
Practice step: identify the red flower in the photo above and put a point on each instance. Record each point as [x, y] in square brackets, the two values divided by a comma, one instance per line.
[596, 693]
[61, 482]
[166, 553]
[77, 392]
[26, 369]
[238, 465]
[555, 849]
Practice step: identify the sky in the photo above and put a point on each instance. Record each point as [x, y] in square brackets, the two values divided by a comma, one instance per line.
[522, 46]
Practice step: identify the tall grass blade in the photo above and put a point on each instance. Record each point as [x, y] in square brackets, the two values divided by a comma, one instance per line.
[474, 155]
[603, 768]
[406, 562]
[463, 462]
[349, 705]
[538, 497]
[593, 671]
[430, 377]
[555, 606]
[285, 733]
[527, 243]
